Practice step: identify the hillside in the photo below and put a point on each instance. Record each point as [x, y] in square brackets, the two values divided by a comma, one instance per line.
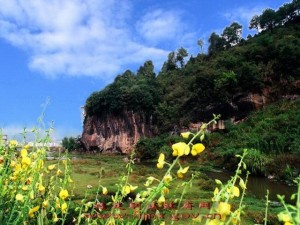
[234, 78]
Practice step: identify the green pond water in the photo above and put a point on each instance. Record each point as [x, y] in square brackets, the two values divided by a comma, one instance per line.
[258, 186]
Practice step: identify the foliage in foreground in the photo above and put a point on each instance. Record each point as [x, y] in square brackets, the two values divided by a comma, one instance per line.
[32, 193]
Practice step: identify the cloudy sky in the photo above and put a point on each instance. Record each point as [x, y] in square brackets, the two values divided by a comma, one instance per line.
[55, 53]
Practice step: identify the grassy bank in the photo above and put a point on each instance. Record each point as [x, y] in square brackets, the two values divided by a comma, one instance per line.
[88, 169]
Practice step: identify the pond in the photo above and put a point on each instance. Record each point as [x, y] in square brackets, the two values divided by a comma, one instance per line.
[257, 186]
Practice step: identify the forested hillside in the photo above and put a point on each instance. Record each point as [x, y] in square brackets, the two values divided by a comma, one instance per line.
[191, 88]
[234, 78]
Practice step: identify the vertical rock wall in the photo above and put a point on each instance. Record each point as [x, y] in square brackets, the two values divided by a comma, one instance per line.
[115, 132]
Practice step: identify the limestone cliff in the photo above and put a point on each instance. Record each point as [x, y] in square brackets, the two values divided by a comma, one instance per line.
[116, 132]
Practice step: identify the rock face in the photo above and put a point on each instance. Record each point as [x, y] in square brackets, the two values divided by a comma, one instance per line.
[239, 107]
[116, 132]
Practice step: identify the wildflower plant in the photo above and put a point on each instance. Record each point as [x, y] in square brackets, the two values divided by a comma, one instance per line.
[291, 213]
[31, 192]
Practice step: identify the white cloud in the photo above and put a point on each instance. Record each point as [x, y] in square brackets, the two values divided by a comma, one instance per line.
[243, 14]
[86, 38]
[160, 25]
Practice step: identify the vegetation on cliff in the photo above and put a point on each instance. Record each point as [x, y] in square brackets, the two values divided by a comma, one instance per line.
[209, 83]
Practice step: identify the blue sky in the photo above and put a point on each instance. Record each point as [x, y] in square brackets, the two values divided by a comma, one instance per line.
[62, 51]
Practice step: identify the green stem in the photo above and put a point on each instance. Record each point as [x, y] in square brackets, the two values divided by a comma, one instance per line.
[267, 204]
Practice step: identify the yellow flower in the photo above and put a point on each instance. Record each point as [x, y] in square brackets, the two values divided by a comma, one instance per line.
[41, 188]
[288, 223]
[54, 218]
[24, 152]
[213, 222]
[242, 184]
[165, 191]
[27, 146]
[45, 203]
[13, 164]
[20, 197]
[25, 188]
[63, 194]
[285, 217]
[31, 195]
[224, 208]
[64, 207]
[29, 180]
[216, 191]
[126, 190]
[12, 143]
[26, 161]
[167, 178]
[236, 191]
[181, 171]
[161, 161]
[104, 190]
[32, 211]
[132, 188]
[51, 167]
[161, 201]
[58, 172]
[185, 135]
[197, 148]
[162, 223]
[57, 203]
[180, 149]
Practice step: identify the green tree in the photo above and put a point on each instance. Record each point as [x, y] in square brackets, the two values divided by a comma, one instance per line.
[216, 43]
[255, 23]
[232, 34]
[268, 19]
[181, 54]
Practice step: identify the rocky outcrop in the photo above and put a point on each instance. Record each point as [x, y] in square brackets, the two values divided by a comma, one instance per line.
[116, 132]
[239, 107]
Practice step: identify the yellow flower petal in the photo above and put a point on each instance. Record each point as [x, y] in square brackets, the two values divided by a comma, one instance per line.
[26, 161]
[180, 149]
[33, 210]
[64, 207]
[198, 148]
[23, 152]
[181, 172]
[216, 191]
[63, 194]
[161, 158]
[51, 167]
[132, 188]
[161, 201]
[126, 190]
[185, 135]
[224, 208]
[104, 190]
[194, 152]
[45, 203]
[167, 178]
[236, 191]
[160, 165]
[20, 197]
[242, 184]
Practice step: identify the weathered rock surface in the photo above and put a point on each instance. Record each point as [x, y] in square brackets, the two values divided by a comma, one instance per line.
[239, 107]
[116, 132]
